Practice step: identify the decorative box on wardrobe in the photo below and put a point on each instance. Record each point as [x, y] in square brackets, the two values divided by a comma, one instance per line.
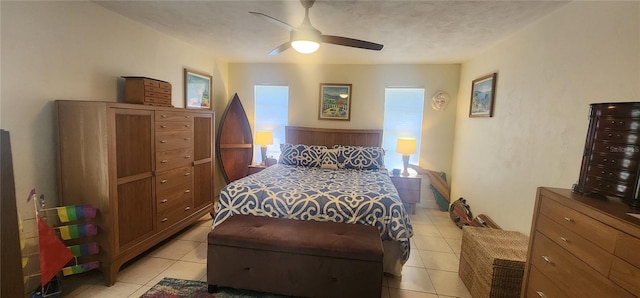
[610, 164]
[147, 169]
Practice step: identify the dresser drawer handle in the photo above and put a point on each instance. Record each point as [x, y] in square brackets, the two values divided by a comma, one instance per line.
[188, 125]
[164, 201]
[547, 259]
[163, 141]
[164, 219]
[163, 126]
[187, 208]
[187, 174]
[187, 116]
[164, 161]
[163, 116]
[540, 294]
[187, 191]
[187, 156]
[164, 181]
[186, 139]
[568, 219]
[564, 239]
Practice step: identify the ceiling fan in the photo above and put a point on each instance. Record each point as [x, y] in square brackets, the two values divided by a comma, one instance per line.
[306, 39]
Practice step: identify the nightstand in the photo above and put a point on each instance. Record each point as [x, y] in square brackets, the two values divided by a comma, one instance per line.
[408, 188]
[256, 168]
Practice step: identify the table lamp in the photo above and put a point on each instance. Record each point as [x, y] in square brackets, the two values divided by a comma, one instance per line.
[264, 138]
[406, 146]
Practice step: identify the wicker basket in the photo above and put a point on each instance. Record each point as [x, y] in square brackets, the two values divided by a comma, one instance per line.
[492, 261]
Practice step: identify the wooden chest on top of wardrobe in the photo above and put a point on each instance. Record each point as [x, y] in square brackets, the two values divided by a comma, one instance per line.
[147, 91]
[611, 159]
[148, 170]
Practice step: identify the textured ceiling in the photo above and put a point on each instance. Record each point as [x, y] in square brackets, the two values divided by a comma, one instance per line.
[411, 31]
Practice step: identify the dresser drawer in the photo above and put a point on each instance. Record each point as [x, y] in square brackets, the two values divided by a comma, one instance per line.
[409, 196]
[174, 140]
[609, 122]
[628, 248]
[174, 186]
[158, 95]
[626, 110]
[151, 83]
[572, 274]
[166, 160]
[626, 275]
[173, 126]
[608, 187]
[169, 217]
[158, 101]
[585, 250]
[619, 137]
[158, 90]
[611, 174]
[406, 183]
[162, 116]
[616, 150]
[164, 85]
[174, 200]
[595, 231]
[541, 287]
[619, 162]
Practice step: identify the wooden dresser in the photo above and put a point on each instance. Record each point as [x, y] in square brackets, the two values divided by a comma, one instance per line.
[148, 170]
[611, 159]
[582, 247]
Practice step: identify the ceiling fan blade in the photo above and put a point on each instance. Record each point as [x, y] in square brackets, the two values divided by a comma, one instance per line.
[280, 48]
[273, 20]
[351, 42]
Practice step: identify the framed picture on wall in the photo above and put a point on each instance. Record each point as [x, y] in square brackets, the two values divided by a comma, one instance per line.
[483, 96]
[197, 90]
[335, 102]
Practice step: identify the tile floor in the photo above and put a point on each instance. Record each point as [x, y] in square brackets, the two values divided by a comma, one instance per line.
[431, 272]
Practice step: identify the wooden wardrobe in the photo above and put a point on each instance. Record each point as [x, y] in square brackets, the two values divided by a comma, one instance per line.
[147, 169]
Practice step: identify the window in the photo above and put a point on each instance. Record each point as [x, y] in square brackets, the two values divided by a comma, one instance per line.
[271, 114]
[402, 118]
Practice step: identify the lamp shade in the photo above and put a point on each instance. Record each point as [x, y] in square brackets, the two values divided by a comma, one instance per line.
[406, 146]
[264, 138]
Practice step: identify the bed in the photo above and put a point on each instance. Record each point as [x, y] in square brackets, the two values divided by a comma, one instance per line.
[315, 181]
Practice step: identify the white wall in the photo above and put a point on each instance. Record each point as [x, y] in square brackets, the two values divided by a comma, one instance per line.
[368, 84]
[76, 50]
[548, 74]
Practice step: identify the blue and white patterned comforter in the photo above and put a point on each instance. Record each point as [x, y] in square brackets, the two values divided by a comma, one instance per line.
[297, 192]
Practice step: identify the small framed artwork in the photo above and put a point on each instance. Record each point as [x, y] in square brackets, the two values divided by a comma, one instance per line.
[335, 102]
[483, 96]
[197, 90]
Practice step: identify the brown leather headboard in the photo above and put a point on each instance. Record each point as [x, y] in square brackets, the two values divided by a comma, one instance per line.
[329, 137]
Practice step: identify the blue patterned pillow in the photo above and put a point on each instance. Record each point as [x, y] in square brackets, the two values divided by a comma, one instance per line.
[361, 158]
[301, 155]
[329, 159]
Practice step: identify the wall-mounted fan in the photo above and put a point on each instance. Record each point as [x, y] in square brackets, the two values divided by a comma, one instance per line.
[306, 39]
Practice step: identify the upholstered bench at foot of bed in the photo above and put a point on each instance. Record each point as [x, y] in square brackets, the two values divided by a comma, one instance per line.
[294, 257]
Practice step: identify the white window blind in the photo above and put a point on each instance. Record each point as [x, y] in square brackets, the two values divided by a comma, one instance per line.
[271, 114]
[402, 118]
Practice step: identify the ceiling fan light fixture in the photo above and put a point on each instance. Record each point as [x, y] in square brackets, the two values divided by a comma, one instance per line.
[305, 46]
[305, 41]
